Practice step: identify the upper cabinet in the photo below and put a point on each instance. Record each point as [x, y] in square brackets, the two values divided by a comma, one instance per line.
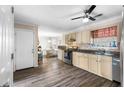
[79, 37]
[71, 37]
[83, 37]
[86, 37]
[66, 39]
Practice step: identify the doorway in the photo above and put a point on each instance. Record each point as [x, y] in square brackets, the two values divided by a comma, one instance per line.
[23, 49]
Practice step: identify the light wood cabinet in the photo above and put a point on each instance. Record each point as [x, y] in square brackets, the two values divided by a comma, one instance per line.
[85, 37]
[97, 64]
[93, 64]
[83, 61]
[75, 59]
[61, 54]
[106, 67]
[99, 58]
[79, 37]
[80, 60]
[73, 36]
[66, 39]
[70, 37]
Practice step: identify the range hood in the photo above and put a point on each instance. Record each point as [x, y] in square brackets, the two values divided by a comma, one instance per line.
[72, 40]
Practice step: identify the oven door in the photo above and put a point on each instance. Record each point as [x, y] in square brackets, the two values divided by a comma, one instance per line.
[67, 57]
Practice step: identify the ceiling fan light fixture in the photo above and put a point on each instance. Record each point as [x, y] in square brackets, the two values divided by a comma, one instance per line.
[85, 20]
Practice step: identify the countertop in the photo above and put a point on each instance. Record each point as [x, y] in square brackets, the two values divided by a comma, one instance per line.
[114, 54]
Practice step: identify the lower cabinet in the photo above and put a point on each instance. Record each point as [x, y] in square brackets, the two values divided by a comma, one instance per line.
[97, 64]
[83, 61]
[106, 67]
[93, 64]
[99, 59]
[60, 54]
[75, 59]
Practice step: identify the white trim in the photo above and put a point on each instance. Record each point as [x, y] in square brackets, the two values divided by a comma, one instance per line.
[34, 59]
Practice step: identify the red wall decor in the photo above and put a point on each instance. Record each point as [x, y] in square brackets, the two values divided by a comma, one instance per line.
[105, 32]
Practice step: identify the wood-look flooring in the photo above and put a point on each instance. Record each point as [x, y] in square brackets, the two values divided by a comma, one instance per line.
[55, 73]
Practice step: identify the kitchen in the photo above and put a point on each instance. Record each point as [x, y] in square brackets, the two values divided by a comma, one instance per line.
[96, 49]
[93, 48]
[73, 46]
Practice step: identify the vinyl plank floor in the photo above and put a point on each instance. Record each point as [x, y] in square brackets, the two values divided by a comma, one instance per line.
[55, 73]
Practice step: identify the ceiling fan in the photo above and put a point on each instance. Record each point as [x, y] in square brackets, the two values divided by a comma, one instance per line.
[87, 16]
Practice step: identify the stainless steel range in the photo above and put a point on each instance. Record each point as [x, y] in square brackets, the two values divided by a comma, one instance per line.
[68, 55]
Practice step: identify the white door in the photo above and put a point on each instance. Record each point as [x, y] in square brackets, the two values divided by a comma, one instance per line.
[24, 49]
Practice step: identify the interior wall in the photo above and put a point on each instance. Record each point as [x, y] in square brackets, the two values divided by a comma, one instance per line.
[43, 42]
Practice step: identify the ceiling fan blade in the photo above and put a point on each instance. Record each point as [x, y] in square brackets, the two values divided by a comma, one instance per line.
[91, 18]
[91, 9]
[98, 15]
[77, 18]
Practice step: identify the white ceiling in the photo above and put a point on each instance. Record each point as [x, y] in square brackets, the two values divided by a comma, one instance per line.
[58, 16]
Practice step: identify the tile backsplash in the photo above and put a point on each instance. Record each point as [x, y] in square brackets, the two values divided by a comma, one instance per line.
[103, 43]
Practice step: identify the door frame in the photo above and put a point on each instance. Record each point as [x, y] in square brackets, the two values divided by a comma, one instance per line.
[26, 30]
[8, 29]
[34, 61]
[122, 49]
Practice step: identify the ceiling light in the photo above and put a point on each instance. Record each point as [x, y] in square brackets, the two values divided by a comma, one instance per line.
[85, 20]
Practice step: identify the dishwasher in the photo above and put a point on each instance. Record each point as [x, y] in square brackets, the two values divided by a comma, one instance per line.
[116, 69]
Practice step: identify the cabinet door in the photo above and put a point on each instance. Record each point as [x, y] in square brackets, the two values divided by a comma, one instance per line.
[106, 67]
[60, 54]
[63, 55]
[83, 40]
[67, 37]
[73, 35]
[93, 64]
[78, 37]
[99, 64]
[86, 37]
[83, 61]
[75, 59]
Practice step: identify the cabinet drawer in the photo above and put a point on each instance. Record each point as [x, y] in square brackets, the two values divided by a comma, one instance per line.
[99, 58]
[106, 59]
[79, 54]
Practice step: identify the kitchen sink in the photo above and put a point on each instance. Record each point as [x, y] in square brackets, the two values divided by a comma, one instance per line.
[108, 54]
